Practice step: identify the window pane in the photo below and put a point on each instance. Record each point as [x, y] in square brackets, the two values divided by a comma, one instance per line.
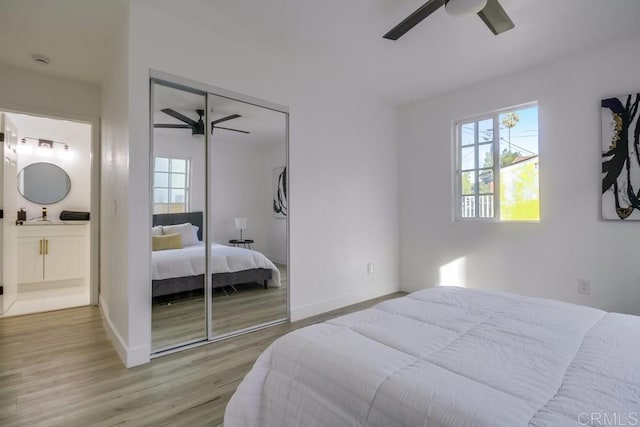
[519, 194]
[485, 131]
[178, 165]
[518, 135]
[468, 158]
[177, 196]
[160, 208]
[161, 164]
[160, 195]
[177, 180]
[468, 132]
[485, 178]
[160, 179]
[468, 182]
[485, 153]
[519, 198]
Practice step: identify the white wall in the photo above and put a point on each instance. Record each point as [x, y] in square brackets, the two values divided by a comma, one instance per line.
[76, 162]
[29, 92]
[571, 242]
[115, 227]
[238, 191]
[343, 195]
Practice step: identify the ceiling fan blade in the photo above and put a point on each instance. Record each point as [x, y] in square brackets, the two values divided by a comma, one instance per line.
[171, 126]
[495, 17]
[235, 130]
[224, 119]
[181, 117]
[414, 19]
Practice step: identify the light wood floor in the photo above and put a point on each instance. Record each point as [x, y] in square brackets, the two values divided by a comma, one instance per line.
[178, 319]
[59, 369]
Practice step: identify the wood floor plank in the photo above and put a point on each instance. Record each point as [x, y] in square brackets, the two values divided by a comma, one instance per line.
[59, 369]
[180, 318]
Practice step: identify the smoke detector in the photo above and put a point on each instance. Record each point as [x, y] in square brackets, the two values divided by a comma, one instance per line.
[40, 59]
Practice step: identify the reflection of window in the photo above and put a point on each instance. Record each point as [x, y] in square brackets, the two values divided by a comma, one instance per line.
[170, 185]
[497, 154]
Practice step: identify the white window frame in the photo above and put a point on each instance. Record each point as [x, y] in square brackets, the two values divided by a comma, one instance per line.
[457, 132]
[169, 187]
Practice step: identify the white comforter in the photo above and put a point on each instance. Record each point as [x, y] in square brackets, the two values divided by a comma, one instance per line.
[190, 261]
[449, 357]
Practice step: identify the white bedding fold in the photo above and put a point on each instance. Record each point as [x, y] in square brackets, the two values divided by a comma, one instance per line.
[190, 261]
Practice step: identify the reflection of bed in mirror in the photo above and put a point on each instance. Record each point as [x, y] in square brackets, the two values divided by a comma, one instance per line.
[182, 270]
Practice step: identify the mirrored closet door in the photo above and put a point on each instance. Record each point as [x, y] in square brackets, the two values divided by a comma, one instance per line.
[247, 211]
[178, 179]
[220, 214]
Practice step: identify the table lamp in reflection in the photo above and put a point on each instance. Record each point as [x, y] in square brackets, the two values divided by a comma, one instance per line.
[241, 224]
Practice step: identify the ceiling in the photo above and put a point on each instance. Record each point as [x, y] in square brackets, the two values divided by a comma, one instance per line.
[77, 35]
[338, 39]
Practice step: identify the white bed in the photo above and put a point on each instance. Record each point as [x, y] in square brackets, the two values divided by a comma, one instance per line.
[449, 357]
[190, 261]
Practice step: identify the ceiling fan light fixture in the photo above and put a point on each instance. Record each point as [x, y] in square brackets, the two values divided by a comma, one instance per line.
[464, 7]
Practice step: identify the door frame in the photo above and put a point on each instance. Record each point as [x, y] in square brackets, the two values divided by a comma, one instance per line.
[96, 157]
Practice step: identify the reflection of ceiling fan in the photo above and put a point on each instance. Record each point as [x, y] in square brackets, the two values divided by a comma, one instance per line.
[224, 119]
[197, 127]
[490, 11]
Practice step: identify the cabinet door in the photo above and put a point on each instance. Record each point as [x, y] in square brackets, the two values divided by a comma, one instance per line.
[30, 260]
[64, 258]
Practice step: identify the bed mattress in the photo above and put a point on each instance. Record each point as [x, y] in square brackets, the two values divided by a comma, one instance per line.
[449, 357]
[190, 261]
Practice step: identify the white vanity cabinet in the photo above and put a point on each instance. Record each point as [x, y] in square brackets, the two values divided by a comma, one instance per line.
[49, 253]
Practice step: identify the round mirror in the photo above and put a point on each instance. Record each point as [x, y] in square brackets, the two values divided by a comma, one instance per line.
[43, 183]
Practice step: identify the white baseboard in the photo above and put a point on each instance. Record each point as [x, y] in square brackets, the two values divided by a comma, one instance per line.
[116, 339]
[339, 301]
[138, 356]
[129, 356]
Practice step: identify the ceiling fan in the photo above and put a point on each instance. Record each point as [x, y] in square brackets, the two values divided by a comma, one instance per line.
[197, 127]
[490, 11]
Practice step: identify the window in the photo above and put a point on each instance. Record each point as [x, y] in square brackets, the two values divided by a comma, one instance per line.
[170, 185]
[497, 166]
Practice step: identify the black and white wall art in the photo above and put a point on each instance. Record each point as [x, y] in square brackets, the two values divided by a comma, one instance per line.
[621, 158]
[280, 192]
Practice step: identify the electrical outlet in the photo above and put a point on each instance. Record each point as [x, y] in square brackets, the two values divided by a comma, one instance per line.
[370, 268]
[584, 286]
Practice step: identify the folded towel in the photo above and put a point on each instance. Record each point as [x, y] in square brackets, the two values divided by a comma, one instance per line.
[74, 216]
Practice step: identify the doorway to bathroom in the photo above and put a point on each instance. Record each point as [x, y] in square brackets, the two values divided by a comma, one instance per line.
[48, 237]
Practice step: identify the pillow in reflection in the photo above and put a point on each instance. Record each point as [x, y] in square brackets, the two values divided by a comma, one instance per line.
[185, 230]
[167, 241]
